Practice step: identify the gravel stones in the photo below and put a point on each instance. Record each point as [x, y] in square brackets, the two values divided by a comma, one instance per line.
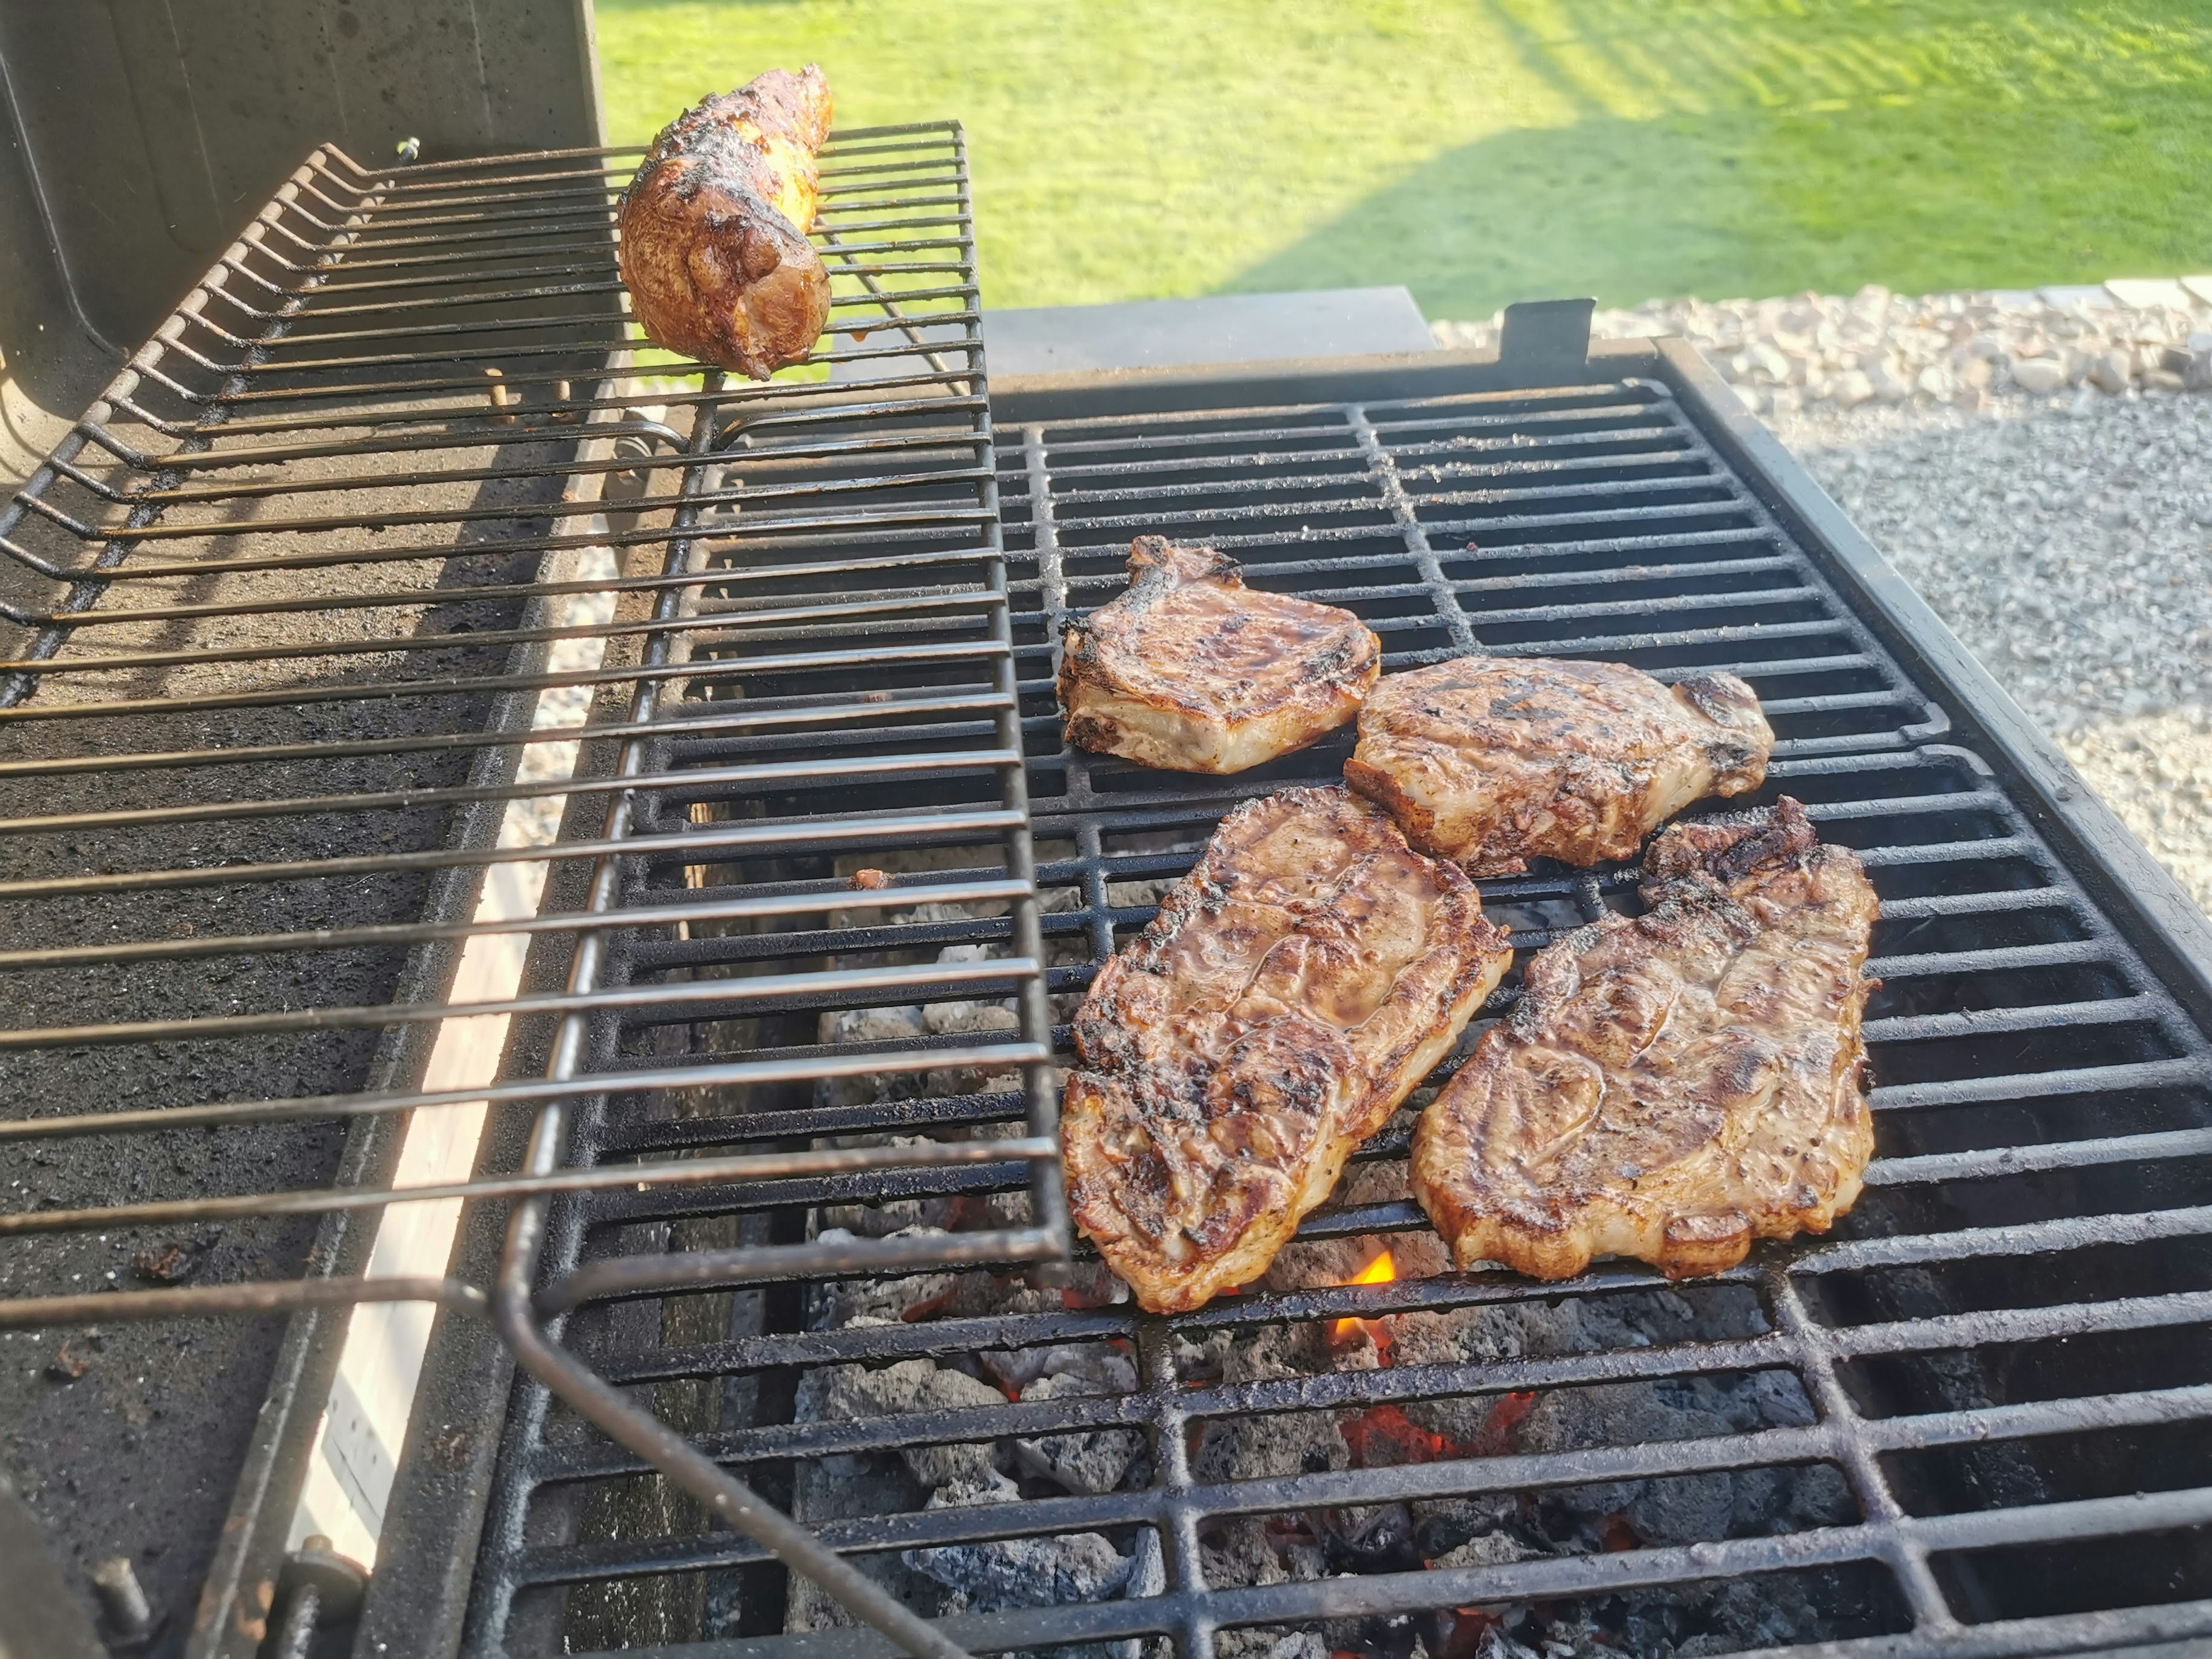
[2068, 548]
[1821, 351]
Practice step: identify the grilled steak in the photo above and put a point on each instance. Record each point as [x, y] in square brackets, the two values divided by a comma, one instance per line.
[714, 226]
[1493, 760]
[1675, 1086]
[1294, 988]
[1192, 670]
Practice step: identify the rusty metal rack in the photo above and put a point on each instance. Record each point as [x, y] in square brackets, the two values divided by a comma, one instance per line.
[1998, 1359]
[384, 562]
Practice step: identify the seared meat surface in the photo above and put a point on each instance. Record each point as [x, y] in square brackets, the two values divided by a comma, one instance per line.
[714, 226]
[1194, 671]
[1294, 988]
[1493, 761]
[1673, 1086]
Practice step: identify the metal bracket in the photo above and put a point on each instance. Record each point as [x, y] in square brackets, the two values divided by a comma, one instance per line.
[1545, 341]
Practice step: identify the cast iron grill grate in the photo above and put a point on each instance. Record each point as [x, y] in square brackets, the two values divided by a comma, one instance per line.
[334, 686]
[1987, 1391]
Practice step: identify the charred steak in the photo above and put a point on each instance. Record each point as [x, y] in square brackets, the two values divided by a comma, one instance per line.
[714, 226]
[1674, 1085]
[1493, 761]
[1294, 988]
[1194, 671]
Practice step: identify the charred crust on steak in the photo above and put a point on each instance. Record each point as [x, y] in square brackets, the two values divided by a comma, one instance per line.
[1289, 993]
[1191, 671]
[713, 248]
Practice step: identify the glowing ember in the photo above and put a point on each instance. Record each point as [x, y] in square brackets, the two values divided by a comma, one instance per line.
[1381, 1271]
[1383, 1436]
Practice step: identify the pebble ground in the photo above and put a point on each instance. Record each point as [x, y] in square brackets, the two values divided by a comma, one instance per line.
[2068, 542]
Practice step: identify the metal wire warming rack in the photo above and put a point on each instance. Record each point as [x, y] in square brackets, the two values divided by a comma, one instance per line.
[417, 698]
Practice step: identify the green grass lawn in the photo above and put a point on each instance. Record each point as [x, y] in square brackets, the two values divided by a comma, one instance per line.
[1504, 149]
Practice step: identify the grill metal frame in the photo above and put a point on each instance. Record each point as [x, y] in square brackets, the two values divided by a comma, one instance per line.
[1920, 760]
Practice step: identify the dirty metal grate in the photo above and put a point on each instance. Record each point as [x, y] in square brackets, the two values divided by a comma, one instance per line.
[393, 665]
[1985, 1396]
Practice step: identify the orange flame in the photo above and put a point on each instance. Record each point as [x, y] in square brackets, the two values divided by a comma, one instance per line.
[1381, 1271]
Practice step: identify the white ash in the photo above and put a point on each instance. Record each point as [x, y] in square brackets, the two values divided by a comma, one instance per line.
[1816, 351]
[2068, 549]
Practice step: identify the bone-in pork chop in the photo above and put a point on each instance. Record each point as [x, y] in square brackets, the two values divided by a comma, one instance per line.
[1193, 671]
[1493, 761]
[1673, 1086]
[1294, 988]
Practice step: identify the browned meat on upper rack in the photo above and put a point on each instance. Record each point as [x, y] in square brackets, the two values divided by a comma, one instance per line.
[714, 226]
[1493, 761]
[1673, 1086]
[1294, 988]
[1194, 671]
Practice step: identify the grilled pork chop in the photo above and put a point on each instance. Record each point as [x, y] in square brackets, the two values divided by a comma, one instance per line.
[1675, 1086]
[1494, 760]
[1294, 988]
[1192, 670]
[714, 226]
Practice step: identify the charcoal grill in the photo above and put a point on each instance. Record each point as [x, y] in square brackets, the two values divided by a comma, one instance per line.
[304, 608]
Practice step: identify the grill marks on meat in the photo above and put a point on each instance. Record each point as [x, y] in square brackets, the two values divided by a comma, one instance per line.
[714, 226]
[1493, 761]
[1193, 671]
[1301, 979]
[1674, 1085]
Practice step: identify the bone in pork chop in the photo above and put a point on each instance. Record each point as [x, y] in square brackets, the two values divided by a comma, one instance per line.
[1193, 671]
[1294, 988]
[1674, 1085]
[1493, 761]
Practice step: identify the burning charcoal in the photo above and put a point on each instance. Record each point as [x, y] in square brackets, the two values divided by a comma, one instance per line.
[870, 1026]
[1082, 1460]
[922, 1385]
[1685, 1508]
[1376, 1538]
[949, 1018]
[1304, 1645]
[1027, 1572]
[882, 1301]
[1445, 1525]
[1019, 1572]
[1491, 1549]
[1111, 1370]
